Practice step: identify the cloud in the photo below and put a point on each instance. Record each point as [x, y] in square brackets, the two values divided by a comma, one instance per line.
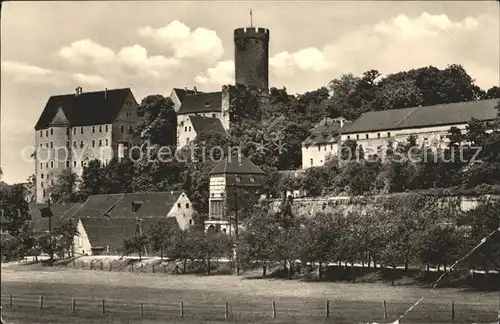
[202, 44]
[26, 73]
[221, 73]
[86, 51]
[305, 60]
[31, 74]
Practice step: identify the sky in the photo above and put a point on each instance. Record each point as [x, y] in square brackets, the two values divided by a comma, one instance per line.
[50, 48]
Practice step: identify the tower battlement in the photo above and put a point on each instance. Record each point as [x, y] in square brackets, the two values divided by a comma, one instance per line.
[252, 32]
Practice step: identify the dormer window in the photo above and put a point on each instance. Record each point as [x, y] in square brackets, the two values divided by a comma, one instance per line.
[238, 179]
[252, 179]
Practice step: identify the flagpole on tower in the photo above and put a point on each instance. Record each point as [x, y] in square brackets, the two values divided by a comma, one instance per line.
[251, 18]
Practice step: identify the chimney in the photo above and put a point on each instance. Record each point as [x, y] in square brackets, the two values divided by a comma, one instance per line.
[186, 88]
[341, 122]
[78, 91]
[105, 93]
[195, 90]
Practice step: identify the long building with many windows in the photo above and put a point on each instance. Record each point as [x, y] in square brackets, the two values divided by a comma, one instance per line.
[76, 128]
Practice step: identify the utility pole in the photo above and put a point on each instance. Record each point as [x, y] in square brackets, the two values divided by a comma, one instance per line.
[236, 231]
[51, 250]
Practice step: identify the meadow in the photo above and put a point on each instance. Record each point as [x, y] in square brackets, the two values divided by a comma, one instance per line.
[205, 298]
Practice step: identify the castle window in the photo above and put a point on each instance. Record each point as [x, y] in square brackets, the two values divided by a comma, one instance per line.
[348, 137]
[74, 143]
[331, 146]
[52, 182]
[81, 144]
[51, 145]
[178, 205]
[388, 134]
[107, 144]
[41, 145]
[46, 165]
[130, 129]
[213, 115]
[81, 163]
[43, 193]
[67, 164]
[100, 129]
[321, 161]
[93, 143]
[46, 133]
[122, 129]
[187, 140]
[41, 166]
[378, 135]
[100, 143]
[74, 164]
[51, 164]
[367, 136]
[325, 147]
[51, 131]
[182, 123]
[68, 131]
[41, 176]
[190, 222]
[67, 144]
[41, 133]
[105, 161]
[312, 162]
[189, 128]
[185, 128]
[47, 145]
[81, 130]
[48, 175]
[106, 128]
[74, 131]
[41, 184]
[93, 129]
[319, 147]
[357, 137]
[187, 206]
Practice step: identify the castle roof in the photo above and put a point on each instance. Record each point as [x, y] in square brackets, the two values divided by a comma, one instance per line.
[154, 204]
[111, 232]
[203, 125]
[326, 131]
[236, 165]
[85, 109]
[181, 93]
[201, 102]
[428, 116]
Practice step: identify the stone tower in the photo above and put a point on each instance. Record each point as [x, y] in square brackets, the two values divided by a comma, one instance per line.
[251, 57]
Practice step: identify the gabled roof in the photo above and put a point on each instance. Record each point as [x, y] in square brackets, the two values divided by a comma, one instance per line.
[154, 204]
[103, 231]
[87, 108]
[436, 115]
[203, 125]
[236, 165]
[201, 102]
[326, 131]
[60, 212]
[181, 93]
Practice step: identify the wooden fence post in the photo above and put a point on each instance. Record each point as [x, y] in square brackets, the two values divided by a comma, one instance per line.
[142, 309]
[142, 267]
[103, 307]
[101, 266]
[226, 311]
[385, 310]
[452, 310]
[327, 313]
[110, 265]
[10, 301]
[73, 263]
[73, 306]
[182, 309]
[41, 302]
[274, 309]
[153, 268]
[164, 269]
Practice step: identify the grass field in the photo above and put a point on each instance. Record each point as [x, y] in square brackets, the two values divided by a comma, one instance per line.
[204, 298]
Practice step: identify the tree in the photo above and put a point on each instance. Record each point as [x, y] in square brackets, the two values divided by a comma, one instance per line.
[92, 180]
[158, 121]
[118, 176]
[14, 207]
[64, 189]
[135, 244]
[493, 93]
[160, 236]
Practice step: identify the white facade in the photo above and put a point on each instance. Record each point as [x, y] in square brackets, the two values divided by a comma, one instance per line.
[183, 211]
[81, 241]
[317, 154]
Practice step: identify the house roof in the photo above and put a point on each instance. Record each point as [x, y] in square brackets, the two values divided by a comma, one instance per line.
[236, 165]
[103, 231]
[436, 115]
[201, 102]
[154, 204]
[326, 131]
[60, 212]
[181, 93]
[203, 125]
[87, 108]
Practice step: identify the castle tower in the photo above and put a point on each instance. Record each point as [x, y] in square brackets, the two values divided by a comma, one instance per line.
[251, 57]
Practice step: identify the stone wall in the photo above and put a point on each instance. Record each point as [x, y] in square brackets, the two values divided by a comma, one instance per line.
[346, 204]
